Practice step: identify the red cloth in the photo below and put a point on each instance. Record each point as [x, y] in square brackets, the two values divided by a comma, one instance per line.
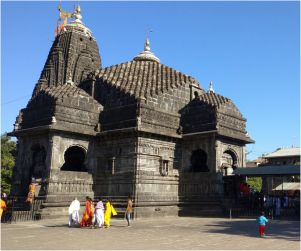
[241, 187]
[261, 230]
[88, 215]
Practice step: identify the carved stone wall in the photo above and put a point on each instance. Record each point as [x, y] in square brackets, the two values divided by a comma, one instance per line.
[157, 176]
[205, 142]
[116, 165]
[237, 150]
[65, 185]
[25, 166]
[158, 121]
[62, 141]
[197, 186]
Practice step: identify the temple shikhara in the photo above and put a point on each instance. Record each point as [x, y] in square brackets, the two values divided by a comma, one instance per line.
[137, 128]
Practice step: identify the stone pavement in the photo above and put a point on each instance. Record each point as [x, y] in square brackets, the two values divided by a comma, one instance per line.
[164, 233]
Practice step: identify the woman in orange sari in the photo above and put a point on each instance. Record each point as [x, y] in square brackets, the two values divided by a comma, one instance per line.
[88, 214]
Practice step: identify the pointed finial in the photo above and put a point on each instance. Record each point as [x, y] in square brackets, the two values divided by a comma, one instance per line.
[211, 87]
[146, 46]
[77, 10]
[146, 55]
[76, 15]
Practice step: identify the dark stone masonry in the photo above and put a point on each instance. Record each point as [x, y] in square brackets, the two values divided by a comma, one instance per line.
[138, 128]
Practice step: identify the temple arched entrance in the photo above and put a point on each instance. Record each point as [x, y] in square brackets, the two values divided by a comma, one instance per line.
[74, 159]
[198, 161]
[229, 162]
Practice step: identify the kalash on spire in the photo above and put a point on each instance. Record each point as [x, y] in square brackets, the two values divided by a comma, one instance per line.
[76, 24]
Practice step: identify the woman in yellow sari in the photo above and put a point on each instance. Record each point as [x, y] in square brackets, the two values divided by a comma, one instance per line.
[110, 210]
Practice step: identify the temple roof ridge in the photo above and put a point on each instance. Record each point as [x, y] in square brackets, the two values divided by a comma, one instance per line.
[144, 78]
[214, 99]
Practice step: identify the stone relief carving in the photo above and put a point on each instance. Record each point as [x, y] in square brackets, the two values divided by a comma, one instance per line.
[163, 119]
[231, 122]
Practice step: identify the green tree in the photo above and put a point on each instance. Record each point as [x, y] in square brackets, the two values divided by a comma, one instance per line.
[8, 155]
[255, 183]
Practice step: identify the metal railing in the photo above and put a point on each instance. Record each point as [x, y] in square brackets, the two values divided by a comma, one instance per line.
[17, 209]
[244, 207]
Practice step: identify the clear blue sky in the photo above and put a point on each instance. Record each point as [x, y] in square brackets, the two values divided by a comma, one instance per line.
[250, 50]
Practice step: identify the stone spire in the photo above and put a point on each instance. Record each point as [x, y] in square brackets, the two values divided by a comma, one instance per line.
[73, 55]
[211, 87]
[146, 55]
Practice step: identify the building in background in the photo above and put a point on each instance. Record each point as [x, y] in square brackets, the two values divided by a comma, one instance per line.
[256, 162]
[285, 158]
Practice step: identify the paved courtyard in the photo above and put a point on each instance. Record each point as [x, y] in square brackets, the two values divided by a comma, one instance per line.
[166, 233]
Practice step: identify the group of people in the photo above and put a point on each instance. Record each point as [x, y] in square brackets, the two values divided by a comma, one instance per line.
[278, 204]
[256, 200]
[97, 214]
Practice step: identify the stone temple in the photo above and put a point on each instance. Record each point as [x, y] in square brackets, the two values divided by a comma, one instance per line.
[138, 128]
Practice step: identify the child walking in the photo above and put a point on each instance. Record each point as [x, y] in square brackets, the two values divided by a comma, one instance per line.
[262, 220]
[128, 211]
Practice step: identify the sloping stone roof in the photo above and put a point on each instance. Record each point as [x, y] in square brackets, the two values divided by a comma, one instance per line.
[214, 99]
[284, 152]
[66, 91]
[144, 78]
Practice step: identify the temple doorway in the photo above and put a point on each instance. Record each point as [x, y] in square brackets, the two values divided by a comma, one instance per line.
[229, 162]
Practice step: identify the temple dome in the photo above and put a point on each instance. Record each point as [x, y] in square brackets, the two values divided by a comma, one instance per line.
[146, 55]
[143, 78]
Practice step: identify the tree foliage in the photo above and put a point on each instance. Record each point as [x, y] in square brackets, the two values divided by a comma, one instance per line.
[8, 155]
[255, 183]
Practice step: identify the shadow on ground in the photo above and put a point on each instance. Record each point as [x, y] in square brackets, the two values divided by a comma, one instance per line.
[276, 229]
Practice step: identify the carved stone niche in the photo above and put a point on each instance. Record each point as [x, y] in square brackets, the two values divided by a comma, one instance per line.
[164, 166]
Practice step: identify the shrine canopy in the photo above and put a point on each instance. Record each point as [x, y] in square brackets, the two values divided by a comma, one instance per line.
[283, 170]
